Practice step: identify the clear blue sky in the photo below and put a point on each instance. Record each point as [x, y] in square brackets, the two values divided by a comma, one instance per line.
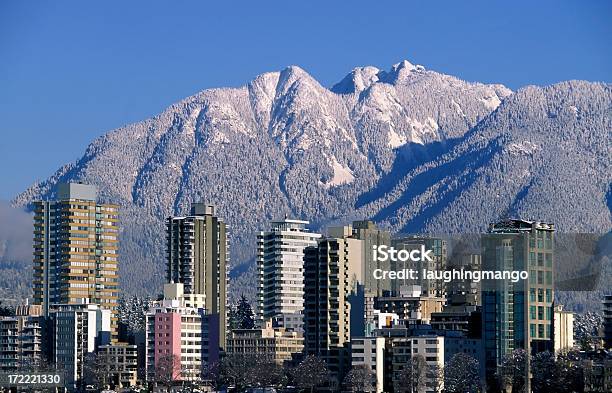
[72, 70]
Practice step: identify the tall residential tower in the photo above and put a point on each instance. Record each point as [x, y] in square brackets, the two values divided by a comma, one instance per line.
[75, 250]
[280, 266]
[517, 315]
[333, 282]
[198, 256]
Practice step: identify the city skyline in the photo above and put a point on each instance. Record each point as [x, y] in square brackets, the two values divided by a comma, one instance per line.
[379, 337]
[306, 197]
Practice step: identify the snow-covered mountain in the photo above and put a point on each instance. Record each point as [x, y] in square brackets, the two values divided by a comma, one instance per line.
[415, 149]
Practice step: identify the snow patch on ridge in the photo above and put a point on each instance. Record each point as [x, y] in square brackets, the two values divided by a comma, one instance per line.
[522, 148]
[342, 174]
[491, 102]
[457, 108]
[396, 140]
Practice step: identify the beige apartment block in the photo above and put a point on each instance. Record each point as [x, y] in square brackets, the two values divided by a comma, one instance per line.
[76, 250]
[278, 344]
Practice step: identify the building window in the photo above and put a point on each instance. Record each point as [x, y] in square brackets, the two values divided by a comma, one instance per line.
[532, 277]
[540, 295]
[548, 257]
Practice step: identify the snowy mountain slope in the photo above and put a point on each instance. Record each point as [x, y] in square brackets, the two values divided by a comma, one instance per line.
[545, 153]
[413, 148]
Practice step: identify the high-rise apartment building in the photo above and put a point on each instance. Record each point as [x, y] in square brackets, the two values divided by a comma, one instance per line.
[517, 314]
[76, 250]
[433, 288]
[332, 274]
[198, 257]
[280, 265]
[77, 331]
[372, 236]
[23, 339]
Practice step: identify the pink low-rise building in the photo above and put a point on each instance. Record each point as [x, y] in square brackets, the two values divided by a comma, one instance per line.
[167, 341]
[181, 337]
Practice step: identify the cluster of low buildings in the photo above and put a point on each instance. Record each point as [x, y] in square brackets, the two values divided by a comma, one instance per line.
[316, 296]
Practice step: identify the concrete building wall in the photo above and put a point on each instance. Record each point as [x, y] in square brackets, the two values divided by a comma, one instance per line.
[197, 256]
[563, 324]
[332, 272]
[76, 250]
[280, 264]
[370, 352]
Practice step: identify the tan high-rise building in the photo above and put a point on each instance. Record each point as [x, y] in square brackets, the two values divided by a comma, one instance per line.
[332, 275]
[198, 257]
[76, 250]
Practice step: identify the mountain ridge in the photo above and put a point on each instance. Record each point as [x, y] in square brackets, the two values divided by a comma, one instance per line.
[413, 154]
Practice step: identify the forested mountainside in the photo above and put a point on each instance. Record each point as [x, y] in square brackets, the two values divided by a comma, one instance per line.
[414, 149]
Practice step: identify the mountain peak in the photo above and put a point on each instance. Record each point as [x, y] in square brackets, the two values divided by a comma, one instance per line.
[359, 79]
[404, 64]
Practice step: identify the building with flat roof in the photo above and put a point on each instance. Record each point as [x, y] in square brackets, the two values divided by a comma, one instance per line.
[23, 339]
[76, 250]
[77, 331]
[369, 352]
[280, 267]
[118, 363]
[563, 328]
[372, 236]
[276, 343]
[197, 256]
[180, 338]
[429, 288]
[401, 353]
[410, 308]
[517, 314]
[332, 275]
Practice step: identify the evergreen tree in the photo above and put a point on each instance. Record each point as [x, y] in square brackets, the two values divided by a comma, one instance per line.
[6, 311]
[242, 316]
[461, 374]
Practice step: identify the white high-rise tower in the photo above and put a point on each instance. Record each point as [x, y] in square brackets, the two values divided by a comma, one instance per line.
[280, 265]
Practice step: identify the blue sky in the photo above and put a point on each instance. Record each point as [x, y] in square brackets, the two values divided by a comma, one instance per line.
[72, 70]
